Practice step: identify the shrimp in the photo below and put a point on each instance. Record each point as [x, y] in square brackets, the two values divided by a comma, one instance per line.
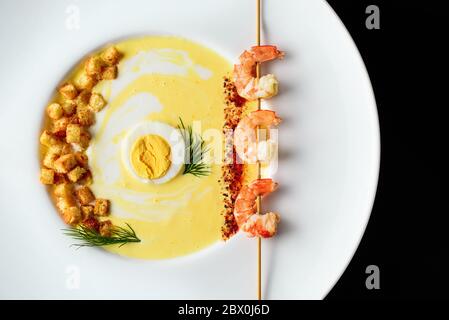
[245, 208]
[245, 80]
[245, 136]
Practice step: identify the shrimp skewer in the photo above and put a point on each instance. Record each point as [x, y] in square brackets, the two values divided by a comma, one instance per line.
[245, 209]
[248, 86]
[245, 134]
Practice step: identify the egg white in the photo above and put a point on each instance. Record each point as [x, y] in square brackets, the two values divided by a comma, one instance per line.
[170, 134]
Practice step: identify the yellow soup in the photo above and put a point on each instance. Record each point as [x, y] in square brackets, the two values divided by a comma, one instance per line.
[160, 79]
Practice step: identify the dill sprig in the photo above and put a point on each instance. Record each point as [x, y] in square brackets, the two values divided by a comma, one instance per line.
[195, 148]
[91, 238]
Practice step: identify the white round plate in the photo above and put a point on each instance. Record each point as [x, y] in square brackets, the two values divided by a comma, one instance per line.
[329, 145]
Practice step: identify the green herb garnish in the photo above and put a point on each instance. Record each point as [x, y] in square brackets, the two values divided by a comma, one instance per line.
[195, 149]
[91, 238]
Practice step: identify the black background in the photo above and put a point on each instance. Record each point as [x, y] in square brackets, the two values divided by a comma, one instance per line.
[407, 235]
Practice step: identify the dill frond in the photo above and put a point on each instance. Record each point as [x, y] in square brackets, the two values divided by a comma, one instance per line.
[195, 148]
[87, 237]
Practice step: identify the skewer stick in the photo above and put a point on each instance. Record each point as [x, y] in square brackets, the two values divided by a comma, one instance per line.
[259, 202]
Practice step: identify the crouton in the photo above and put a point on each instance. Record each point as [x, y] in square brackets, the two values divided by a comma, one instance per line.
[85, 139]
[92, 223]
[93, 66]
[101, 207]
[82, 159]
[65, 163]
[60, 148]
[64, 190]
[47, 176]
[69, 107]
[86, 116]
[109, 73]
[83, 98]
[111, 56]
[54, 153]
[55, 111]
[61, 178]
[75, 174]
[97, 102]
[68, 91]
[73, 133]
[59, 127]
[86, 180]
[48, 139]
[87, 212]
[106, 228]
[71, 215]
[84, 195]
[65, 202]
[86, 82]
[74, 119]
[49, 159]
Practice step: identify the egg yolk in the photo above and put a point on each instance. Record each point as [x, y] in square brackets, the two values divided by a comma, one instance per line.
[150, 157]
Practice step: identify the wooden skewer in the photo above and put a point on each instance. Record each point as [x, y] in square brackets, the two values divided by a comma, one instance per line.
[259, 202]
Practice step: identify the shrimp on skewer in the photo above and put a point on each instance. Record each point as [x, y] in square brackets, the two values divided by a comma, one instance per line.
[245, 136]
[248, 86]
[245, 210]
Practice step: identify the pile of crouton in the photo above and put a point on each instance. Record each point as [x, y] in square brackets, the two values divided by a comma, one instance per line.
[65, 165]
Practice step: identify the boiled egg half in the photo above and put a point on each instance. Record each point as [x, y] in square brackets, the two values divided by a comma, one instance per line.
[153, 152]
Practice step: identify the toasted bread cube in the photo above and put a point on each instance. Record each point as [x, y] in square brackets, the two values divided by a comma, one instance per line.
[86, 82]
[74, 119]
[55, 111]
[68, 90]
[71, 215]
[83, 98]
[69, 107]
[87, 179]
[93, 66]
[85, 140]
[47, 176]
[106, 228]
[53, 153]
[86, 116]
[82, 159]
[48, 139]
[92, 223]
[65, 163]
[65, 202]
[84, 195]
[97, 102]
[109, 73]
[60, 148]
[101, 207]
[75, 174]
[73, 133]
[63, 190]
[60, 126]
[50, 158]
[111, 56]
[87, 212]
[61, 178]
